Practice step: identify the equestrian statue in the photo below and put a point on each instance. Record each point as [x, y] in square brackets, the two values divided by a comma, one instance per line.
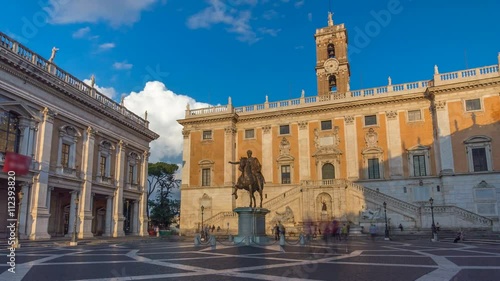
[251, 178]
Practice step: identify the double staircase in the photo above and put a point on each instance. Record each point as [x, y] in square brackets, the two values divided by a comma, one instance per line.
[417, 213]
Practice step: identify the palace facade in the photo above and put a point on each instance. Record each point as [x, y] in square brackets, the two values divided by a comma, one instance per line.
[353, 154]
[87, 155]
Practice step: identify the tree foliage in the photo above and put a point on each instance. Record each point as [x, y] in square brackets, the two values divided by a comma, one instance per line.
[161, 178]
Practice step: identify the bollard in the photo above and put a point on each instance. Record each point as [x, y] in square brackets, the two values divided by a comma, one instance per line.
[213, 242]
[302, 240]
[282, 240]
[230, 238]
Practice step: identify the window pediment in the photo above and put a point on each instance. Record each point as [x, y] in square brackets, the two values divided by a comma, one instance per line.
[205, 163]
[68, 130]
[20, 108]
[285, 159]
[477, 139]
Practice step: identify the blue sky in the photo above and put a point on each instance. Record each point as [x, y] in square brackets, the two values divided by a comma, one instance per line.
[202, 52]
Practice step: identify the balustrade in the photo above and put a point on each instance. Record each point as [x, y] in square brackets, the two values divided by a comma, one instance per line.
[36, 60]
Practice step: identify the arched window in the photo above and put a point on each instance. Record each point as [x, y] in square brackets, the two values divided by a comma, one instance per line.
[332, 81]
[331, 50]
[328, 171]
[10, 134]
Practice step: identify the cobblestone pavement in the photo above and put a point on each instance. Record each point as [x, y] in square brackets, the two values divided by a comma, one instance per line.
[351, 260]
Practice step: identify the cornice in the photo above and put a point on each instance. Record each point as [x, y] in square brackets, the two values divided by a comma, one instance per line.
[464, 86]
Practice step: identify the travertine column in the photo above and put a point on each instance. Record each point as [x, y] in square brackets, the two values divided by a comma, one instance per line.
[135, 217]
[304, 155]
[229, 154]
[351, 148]
[24, 210]
[143, 199]
[108, 228]
[85, 208]
[444, 138]
[118, 217]
[71, 223]
[267, 149]
[395, 151]
[38, 210]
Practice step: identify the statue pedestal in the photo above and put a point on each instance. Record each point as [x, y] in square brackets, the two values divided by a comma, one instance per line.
[251, 225]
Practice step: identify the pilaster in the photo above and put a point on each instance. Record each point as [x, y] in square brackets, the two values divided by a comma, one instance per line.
[395, 151]
[229, 154]
[186, 157]
[143, 199]
[108, 228]
[444, 138]
[38, 210]
[85, 208]
[118, 217]
[267, 149]
[304, 153]
[351, 147]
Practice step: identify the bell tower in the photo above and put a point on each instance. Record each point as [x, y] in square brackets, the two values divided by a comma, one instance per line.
[332, 66]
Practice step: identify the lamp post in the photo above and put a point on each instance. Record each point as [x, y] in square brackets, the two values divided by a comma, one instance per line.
[434, 233]
[202, 225]
[74, 241]
[386, 237]
[20, 196]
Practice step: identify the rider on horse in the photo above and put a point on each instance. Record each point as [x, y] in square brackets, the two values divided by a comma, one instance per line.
[252, 165]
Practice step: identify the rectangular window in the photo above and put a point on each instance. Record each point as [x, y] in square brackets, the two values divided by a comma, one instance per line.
[373, 169]
[207, 135]
[326, 125]
[205, 177]
[419, 166]
[131, 174]
[479, 159]
[285, 174]
[65, 155]
[250, 134]
[471, 105]
[284, 129]
[370, 120]
[102, 167]
[414, 115]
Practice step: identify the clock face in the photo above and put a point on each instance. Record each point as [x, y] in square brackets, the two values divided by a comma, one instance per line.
[331, 65]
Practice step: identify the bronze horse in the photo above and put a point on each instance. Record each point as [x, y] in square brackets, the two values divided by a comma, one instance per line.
[249, 182]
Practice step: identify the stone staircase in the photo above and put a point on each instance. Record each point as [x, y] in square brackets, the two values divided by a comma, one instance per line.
[395, 205]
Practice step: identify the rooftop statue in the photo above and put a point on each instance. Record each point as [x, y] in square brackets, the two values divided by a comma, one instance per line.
[251, 178]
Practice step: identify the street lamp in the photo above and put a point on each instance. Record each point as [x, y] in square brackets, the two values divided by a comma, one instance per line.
[74, 238]
[386, 237]
[434, 233]
[20, 196]
[202, 225]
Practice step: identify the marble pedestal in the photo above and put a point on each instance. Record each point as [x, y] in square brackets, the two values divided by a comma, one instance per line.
[251, 225]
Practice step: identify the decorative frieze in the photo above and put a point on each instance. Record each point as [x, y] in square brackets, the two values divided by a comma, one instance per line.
[186, 133]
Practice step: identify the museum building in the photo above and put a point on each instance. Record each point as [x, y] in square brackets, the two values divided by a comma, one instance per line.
[350, 154]
[85, 156]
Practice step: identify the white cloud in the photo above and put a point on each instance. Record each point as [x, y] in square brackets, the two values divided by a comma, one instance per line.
[299, 3]
[106, 46]
[115, 12]
[82, 32]
[269, 14]
[122, 65]
[220, 13]
[108, 92]
[164, 109]
[269, 31]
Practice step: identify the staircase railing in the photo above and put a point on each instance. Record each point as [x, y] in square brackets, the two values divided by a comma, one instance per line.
[461, 213]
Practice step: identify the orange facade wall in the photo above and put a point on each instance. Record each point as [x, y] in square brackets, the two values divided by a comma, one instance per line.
[415, 133]
[207, 150]
[380, 129]
[464, 125]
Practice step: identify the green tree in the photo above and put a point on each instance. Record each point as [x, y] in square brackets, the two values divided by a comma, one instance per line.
[161, 178]
[163, 211]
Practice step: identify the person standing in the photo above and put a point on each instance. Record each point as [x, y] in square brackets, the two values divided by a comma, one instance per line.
[276, 232]
[373, 231]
